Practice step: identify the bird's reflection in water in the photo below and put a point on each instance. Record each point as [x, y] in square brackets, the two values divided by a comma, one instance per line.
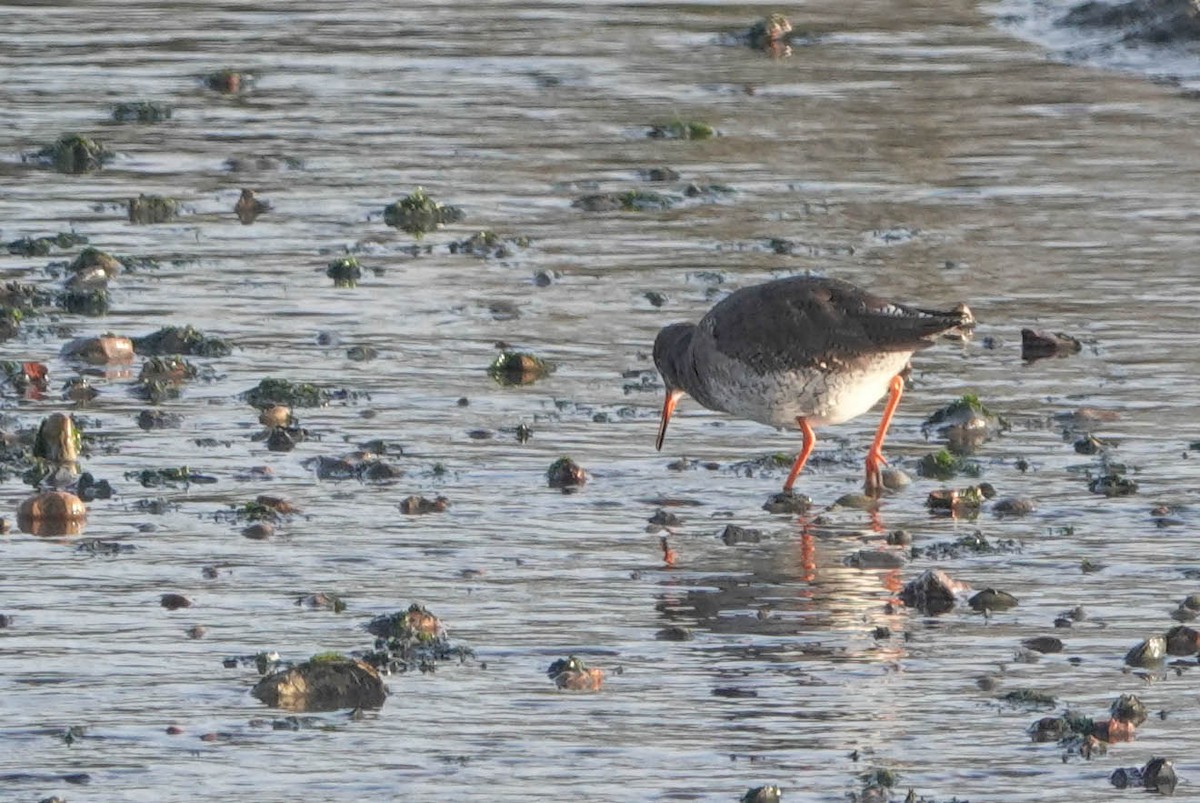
[799, 589]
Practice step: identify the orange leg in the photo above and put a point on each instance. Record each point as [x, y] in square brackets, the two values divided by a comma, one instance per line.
[875, 460]
[810, 440]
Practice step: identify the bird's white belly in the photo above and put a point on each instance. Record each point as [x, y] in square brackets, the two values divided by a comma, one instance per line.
[819, 396]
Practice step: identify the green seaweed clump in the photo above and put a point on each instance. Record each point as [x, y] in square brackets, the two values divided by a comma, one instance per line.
[941, 465]
[345, 272]
[84, 301]
[418, 214]
[181, 340]
[74, 153]
[487, 244]
[40, 246]
[271, 392]
[146, 209]
[158, 477]
[518, 368]
[682, 129]
[141, 111]
[961, 410]
[328, 657]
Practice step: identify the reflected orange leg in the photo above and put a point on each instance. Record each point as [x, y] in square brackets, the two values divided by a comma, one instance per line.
[669, 555]
[875, 460]
[810, 440]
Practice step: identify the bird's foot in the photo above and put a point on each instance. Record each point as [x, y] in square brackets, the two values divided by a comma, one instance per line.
[874, 482]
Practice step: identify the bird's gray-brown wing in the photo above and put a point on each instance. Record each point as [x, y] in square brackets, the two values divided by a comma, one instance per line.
[803, 322]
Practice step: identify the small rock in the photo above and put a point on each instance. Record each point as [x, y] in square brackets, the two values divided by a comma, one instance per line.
[1128, 708]
[991, 599]
[1036, 344]
[674, 633]
[733, 534]
[788, 502]
[1043, 644]
[932, 592]
[565, 473]
[258, 531]
[1182, 640]
[173, 602]
[1013, 506]
[1149, 654]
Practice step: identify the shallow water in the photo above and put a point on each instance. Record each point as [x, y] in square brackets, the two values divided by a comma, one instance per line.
[916, 150]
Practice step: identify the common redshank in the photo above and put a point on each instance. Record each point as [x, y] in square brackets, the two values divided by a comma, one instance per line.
[802, 351]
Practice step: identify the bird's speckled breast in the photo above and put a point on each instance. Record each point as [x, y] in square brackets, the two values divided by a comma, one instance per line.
[829, 395]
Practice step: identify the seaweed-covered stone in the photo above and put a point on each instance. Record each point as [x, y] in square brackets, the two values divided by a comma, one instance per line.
[518, 368]
[932, 592]
[325, 683]
[1128, 708]
[571, 673]
[181, 340]
[681, 129]
[416, 624]
[1149, 654]
[141, 111]
[93, 266]
[1112, 483]
[345, 272]
[959, 502]
[158, 419]
[565, 473]
[487, 244]
[92, 301]
[769, 33]
[991, 599]
[271, 392]
[1036, 344]
[412, 639]
[147, 209]
[418, 214]
[941, 465]
[58, 440]
[159, 477]
[74, 153]
[629, 201]
[964, 423]
[763, 794]
[1029, 697]
[419, 505]
[227, 81]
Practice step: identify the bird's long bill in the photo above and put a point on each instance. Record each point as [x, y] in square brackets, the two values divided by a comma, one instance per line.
[668, 407]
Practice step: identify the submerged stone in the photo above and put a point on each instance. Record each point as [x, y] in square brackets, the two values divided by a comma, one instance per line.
[272, 392]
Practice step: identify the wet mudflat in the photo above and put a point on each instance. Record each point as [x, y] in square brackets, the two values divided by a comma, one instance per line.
[922, 153]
